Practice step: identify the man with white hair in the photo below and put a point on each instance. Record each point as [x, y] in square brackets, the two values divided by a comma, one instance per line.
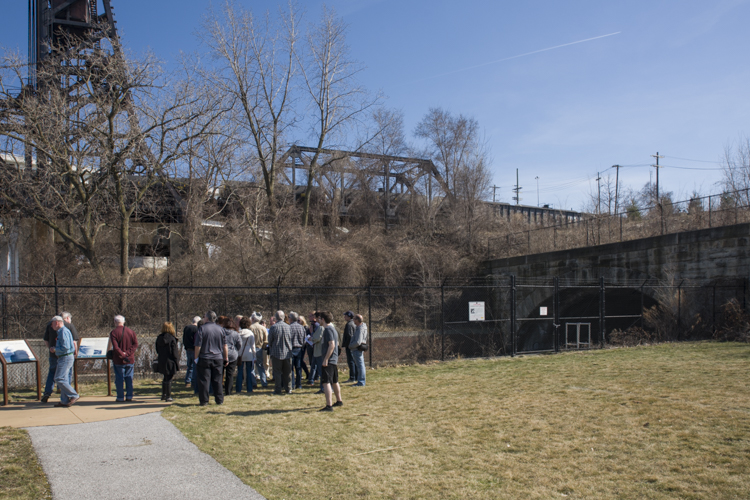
[280, 342]
[65, 349]
[124, 343]
[261, 342]
[188, 342]
[50, 339]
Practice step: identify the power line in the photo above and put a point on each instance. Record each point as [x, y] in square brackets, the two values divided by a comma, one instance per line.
[689, 159]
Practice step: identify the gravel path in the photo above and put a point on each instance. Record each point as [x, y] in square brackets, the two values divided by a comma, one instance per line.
[134, 457]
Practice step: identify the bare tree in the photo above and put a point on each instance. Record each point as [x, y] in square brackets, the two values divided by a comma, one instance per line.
[255, 68]
[337, 100]
[51, 171]
[736, 167]
[456, 149]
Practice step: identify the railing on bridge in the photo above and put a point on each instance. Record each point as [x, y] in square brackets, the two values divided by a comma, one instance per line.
[592, 229]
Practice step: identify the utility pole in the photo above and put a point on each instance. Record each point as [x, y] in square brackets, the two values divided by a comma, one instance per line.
[494, 188]
[537, 190]
[617, 187]
[598, 194]
[658, 200]
[517, 190]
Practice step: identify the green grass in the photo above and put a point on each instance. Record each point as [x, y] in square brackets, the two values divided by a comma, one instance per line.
[21, 475]
[668, 421]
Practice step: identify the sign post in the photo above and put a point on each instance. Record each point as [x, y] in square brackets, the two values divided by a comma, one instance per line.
[17, 352]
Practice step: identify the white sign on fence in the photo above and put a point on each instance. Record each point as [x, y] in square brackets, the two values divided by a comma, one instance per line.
[476, 311]
[542, 311]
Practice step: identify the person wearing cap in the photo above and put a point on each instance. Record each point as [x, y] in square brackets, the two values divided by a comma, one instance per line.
[65, 349]
[261, 342]
[50, 340]
[348, 334]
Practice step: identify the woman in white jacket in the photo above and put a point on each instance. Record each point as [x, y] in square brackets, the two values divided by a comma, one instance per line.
[246, 363]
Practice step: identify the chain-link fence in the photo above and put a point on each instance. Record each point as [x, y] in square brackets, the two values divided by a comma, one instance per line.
[490, 316]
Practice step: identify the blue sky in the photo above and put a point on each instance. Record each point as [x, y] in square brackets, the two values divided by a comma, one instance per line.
[674, 79]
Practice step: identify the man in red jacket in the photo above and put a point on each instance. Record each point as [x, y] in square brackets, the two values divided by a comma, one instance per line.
[124, 344]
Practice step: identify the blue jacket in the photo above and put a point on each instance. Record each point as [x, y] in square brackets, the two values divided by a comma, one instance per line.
[65, 343]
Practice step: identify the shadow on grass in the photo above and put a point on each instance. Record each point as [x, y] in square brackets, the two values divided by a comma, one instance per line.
[254, 413]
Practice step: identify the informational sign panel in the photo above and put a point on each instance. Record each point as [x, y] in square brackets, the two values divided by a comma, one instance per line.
[476, 311]
[16, 351]
[93, 348]
[542, 311]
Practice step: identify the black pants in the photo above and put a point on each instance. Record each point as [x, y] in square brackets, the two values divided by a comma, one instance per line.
[209, 375]
[282, 375]
[230, 371]
[166, 386]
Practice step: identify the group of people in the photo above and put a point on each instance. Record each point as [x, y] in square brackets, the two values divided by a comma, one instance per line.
[61, 339]
[225, 353]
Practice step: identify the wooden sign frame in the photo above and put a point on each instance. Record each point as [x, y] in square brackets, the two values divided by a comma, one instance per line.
[5, 373]
[104, 357]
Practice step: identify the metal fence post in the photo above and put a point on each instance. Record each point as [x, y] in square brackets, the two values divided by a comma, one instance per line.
[513, 314]
[556, 312]
[278, 294]
[168, 305]
[369, 315]
[602, 312]
[442, 321]
[57, 303]
[5, 313]
[679, 309]
[713, 309]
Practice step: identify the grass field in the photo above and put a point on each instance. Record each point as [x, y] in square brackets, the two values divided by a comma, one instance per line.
[668, 421]
[21, 475]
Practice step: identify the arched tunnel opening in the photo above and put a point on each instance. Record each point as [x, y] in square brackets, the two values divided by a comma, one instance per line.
[579, 317]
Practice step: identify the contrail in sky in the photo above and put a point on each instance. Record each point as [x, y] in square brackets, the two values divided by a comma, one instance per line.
[509, 58]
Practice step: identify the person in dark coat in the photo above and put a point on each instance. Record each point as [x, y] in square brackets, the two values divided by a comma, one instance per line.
[168, 360]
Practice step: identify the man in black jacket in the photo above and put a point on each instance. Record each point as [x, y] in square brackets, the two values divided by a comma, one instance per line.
[188, 336]
[348, 334]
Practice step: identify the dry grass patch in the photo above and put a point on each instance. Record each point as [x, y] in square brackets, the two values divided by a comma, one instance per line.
[668, 421]
[21, 474]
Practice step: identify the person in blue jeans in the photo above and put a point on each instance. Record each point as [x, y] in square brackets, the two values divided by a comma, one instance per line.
[188, 336]
[65, 349]
[50, 339]
[357, 347]
[246, 361]
[124, 344]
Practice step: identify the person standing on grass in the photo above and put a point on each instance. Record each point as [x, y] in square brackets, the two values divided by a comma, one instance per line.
[188, 342]
[65, 350]
[168, 359]
[212, 355]
[234, 344]
[314, 368]
[330, 375]
[348, 334]
[124, 343]
[298, 346]
[280, 343]
[261, 342]
[357, 347]
[246, 362]
[50, 340]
